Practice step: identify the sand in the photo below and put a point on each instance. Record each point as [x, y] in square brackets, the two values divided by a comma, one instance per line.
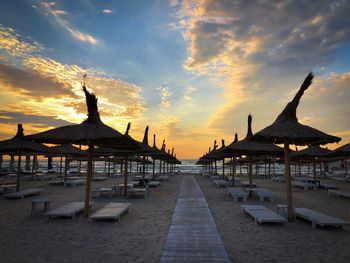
[140, 235]
[293, 242]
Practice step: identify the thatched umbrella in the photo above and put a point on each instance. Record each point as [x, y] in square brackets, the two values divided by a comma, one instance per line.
[18, 145]
[342, 152]
[311, 153]
[66, 150]
[287, 130]
[250, 149]
[90, 132]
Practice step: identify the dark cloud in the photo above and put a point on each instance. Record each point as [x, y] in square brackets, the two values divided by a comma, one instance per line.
[35, 120]
[31, 84]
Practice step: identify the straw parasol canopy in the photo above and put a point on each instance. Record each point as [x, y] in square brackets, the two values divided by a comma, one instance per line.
[18, 145]
[343, 152]
[90, 132]
[287, 130]
[65, 150]
[250, 149]
[312, 153]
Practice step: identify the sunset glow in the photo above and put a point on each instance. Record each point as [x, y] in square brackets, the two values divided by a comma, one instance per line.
[191, 70]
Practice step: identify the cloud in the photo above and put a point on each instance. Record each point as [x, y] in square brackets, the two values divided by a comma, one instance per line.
[258, 52]
[165, 93]
[56, 15]
[31, 83]
[188, 93]
[13, 43]
[35, 83]
[37, 120]
[107, 11]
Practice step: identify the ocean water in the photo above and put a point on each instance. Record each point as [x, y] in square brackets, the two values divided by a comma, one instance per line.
[187, 166]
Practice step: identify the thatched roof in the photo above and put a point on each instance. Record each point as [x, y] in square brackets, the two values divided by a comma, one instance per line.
[312, 151]
[91, 130]
[18, 144]
[342, 151]
[67, 149]
[287, 129]
[246, 147]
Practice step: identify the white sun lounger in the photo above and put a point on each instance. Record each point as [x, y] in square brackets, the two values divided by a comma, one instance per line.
[317, 218]
[329, 186]
[69, 210]
[134, 191]
[153, 183]
[263, 193]
[162, 178]
[111, 211]
[220, 183]
[278, 179]
[237, 192]
[23, 193]
[339, 193]
[262, 215]
[303, 185]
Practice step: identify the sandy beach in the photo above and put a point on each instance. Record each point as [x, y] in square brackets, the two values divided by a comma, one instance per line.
[138, 237]
[140, 234]
[293, 242]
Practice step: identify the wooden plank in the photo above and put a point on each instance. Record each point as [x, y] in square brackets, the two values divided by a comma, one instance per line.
[193, 236]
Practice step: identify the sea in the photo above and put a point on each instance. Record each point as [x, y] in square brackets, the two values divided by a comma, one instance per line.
[186, 166]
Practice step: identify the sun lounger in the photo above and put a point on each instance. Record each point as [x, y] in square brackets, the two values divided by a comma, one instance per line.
[111, 211]
[162, 178]
[263, 215]
[138, 191]
[303, 185]
[23, 193]
[220, 183]
[237, 192]
[345, 179]
[214, 177]
[99, 178]
[278, 179]
[69, 210]
[329, 186]
[339, 193]
[103, 191]
[246, 184]
[56, 183]
[263, 193]
[74, 182]
[317, 218]
[153, 183]
[7, 188]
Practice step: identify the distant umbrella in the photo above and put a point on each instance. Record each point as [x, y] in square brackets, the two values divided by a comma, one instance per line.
[342, 152]
[287, 130]
[311, 153]
[90, 132]
[249, 148]
[65, 150]
[17, 146]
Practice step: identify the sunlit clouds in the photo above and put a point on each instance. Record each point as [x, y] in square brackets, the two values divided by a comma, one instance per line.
[165, 94]
[191, 70]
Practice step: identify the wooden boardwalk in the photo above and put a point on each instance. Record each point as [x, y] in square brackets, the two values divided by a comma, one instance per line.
[193, 236]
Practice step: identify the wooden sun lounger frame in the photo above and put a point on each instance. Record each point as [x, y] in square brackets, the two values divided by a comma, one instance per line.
[221, 183]
[236, 193]
[261, 214]
[317, 218]
[153, 184]
[111, 211]
[68, 210]
[134, 191]
[23, 193]
[339, 193]
[304, 185]
[263, 193]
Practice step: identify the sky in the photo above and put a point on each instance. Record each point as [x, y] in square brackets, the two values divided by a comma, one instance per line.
[191, 70]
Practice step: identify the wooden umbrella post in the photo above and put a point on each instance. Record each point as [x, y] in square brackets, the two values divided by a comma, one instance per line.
[153, 168]
[126, 176]
[88, 180]
[61, 166]
[223, 168]
[143, 170]
[250, 171]
[18, 172]
[287, 178]
[65, 168]
[314, 171]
